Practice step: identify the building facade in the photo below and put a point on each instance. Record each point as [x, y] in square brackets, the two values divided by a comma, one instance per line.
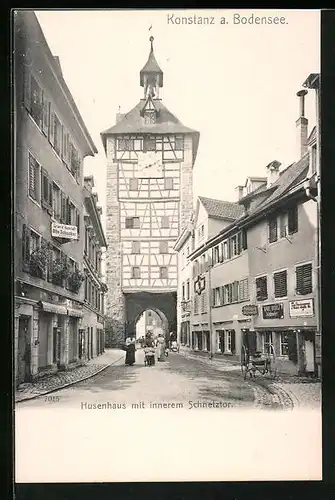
[255, 282]
[150, 157]
[50, 143]
[92, 331]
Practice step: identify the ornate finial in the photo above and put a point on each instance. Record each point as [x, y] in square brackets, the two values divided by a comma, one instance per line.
[151, 41]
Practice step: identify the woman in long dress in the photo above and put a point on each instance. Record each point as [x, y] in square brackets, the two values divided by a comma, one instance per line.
[161, 346]
[130, 354]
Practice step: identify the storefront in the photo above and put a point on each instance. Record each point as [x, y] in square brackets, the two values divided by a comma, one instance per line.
[292, 335]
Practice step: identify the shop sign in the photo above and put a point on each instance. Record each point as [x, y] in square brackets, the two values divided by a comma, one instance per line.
[301, 308]
[273, 311]
[64, 231]
[250, 310]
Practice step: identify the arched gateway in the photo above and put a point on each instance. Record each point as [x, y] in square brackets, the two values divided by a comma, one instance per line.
[150, 158]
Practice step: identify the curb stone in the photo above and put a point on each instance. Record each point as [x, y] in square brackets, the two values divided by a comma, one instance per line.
[49, 391]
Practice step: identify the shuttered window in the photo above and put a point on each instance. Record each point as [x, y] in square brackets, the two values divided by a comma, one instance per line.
[46, 110]
[262, 288]
[217, 296]
[25, 247]
[280, 284]
[34, 169]
[304, 279]
[234, 291]
[216, 255]
[292, 219]
[36, 102]
[244, 239]
[57, 133]
[46, 189]
[272, 225]
[243, 290]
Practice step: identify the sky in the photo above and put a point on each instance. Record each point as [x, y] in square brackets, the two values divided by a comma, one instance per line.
[234, 83]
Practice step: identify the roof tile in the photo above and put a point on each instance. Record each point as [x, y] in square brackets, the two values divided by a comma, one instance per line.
[221, 209]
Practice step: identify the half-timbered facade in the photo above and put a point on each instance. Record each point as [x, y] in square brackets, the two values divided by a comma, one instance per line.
[150, 157]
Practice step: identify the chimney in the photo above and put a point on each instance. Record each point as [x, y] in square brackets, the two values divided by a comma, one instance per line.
[302, 126]
[239, 192]
[119, 115]
[272, 170]
[89, 182]
[99, 210]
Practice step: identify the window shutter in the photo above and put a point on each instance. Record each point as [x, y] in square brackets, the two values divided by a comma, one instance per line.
[78, 223]
[62, 151]
[44, 187]
[280, 284]
[304, 279]
[32, 177]
[244, 239]
[239, 243]
[292, 216]
[27, 90]
[230, 244]
[25, 247]
[67, 211]
[50, 263]
[233, 343]
[50, 192]
[45, 119]
[52, 127]
[221, 253]
[272, 225]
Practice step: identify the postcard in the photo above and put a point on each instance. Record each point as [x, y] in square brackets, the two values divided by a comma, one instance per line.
[167, 312]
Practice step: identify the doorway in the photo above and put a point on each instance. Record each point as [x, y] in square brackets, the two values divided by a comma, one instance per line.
[309, 352]
[24, 351]
[250, 341]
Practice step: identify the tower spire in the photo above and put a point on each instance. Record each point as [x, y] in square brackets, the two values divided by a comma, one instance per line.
[151, 76]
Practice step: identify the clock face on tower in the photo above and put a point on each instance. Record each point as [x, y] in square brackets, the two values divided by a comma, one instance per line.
[150, 164]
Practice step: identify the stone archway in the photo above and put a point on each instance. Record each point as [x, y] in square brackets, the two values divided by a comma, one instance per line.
[164, 304]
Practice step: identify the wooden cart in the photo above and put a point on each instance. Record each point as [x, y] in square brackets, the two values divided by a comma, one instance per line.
[258, 362]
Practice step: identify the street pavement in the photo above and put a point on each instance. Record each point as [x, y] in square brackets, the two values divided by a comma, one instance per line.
[178, 379]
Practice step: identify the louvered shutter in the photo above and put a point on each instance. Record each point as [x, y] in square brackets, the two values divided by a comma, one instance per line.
[62, 150]
[292, 216]
[273, 232]
[27, 89]
[78, 223]
[233, 343]
[239, 243]
[221, 252]
[230, 245]
[244, 239]
[68, 211]
[51, 126]
[25, 247]
[32, 177]
[304, 279]
[50, 262]
[44, 187]
[50, 192]
[280, 284]
[45, 119]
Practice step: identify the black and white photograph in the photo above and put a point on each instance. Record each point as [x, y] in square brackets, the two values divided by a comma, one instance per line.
[167, 249]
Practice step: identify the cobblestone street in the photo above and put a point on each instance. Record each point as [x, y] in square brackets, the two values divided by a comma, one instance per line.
[179, 379]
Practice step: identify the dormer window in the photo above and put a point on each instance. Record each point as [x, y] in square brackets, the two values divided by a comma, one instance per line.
[149, 117]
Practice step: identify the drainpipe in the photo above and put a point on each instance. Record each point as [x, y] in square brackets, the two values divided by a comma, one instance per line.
[210, 310]
[313, 82]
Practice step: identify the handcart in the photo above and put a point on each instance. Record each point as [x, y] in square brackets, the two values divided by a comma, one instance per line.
[258, 362]
[149, 356]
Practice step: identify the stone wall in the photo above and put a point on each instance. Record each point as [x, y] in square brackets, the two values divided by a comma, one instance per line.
[114, 303]
[186, 186]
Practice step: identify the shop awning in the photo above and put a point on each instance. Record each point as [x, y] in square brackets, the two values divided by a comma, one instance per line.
[52, 308]
[75, 312]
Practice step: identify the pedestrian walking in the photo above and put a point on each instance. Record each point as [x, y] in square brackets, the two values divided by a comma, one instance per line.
[161, 347]
[130, 353]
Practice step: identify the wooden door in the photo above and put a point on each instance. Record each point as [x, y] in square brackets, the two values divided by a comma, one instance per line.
[24, 352]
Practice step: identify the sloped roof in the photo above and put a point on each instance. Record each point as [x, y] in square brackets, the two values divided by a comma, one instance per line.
[220, 209]
[287, 179]
[151, 66]
[166, 123]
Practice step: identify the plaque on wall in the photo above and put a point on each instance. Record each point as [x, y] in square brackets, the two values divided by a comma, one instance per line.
[301, 308]
[273, 311]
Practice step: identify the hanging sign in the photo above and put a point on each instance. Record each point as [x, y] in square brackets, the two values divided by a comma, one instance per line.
[64, 231]
[250, 310]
